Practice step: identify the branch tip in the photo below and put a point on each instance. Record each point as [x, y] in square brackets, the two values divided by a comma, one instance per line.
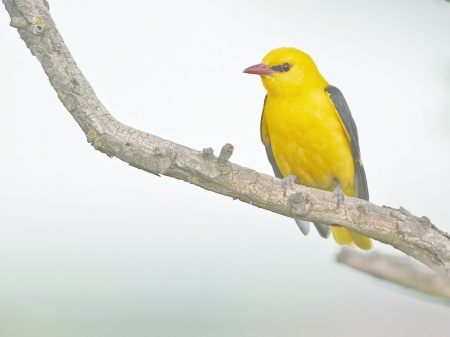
[222, 161]
[225, 153]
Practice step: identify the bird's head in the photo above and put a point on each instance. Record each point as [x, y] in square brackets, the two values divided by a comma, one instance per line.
[287, 71]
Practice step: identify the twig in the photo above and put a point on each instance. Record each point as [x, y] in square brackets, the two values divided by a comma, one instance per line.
[398, 269]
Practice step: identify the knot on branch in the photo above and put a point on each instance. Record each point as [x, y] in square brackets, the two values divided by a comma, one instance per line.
[300, 204]
[363, 209]
[162, 152]
[166, 157]
[208, 154]
[409, 225]
[38, 25]
[222, 161]
[18, 22]
[404, 211]
[426, 222]
[413, 229]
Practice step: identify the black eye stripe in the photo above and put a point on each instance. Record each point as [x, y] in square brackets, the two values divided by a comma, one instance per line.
[277, 68]
[281, 68]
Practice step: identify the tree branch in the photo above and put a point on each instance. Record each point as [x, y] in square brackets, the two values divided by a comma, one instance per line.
[415, 236]
[397, 269]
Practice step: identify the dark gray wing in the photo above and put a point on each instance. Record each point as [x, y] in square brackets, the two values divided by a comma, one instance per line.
[268, 147]
[342, 108]
[272, 161]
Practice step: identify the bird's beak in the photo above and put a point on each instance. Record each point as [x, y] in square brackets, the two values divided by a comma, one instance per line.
[259, 69]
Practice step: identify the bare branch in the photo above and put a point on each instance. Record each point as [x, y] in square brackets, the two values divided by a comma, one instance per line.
[417, 237]
[398, 269]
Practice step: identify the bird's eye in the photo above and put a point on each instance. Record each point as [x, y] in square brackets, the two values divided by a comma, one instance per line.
[286, 67]
[281, 69]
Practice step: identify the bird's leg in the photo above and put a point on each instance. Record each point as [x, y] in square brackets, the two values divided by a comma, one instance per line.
[288, 182]
[338, 193]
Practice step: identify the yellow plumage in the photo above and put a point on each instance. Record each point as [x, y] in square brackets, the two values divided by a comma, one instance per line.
[305, 131]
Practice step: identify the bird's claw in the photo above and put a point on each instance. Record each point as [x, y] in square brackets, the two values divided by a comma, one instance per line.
[339, 195]
[288, 182]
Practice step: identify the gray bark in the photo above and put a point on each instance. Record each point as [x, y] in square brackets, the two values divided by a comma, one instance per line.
[416, 236]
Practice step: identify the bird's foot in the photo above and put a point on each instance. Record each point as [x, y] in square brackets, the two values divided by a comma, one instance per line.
[338, 194]
[288, 181]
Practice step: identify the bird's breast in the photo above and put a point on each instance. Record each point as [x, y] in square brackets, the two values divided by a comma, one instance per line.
[308, 140]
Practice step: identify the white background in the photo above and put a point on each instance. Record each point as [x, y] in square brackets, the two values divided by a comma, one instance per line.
[90, 246]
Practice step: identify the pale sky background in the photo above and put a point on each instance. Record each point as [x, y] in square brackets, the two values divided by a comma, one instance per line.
[90, 246]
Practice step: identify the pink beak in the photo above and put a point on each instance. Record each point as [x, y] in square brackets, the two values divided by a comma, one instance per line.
[259, 69]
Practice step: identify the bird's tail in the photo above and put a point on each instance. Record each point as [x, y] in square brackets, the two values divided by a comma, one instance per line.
[345, 237]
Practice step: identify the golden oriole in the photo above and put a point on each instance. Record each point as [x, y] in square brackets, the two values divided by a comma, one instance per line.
[310, 135]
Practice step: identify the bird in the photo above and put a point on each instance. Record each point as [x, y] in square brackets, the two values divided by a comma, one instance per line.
[310, 136]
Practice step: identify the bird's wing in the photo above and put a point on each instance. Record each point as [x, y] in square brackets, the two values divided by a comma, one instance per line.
[361, 189]
[266, 141]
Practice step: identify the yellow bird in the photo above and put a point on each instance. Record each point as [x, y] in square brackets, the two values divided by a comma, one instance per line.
[310, 135]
